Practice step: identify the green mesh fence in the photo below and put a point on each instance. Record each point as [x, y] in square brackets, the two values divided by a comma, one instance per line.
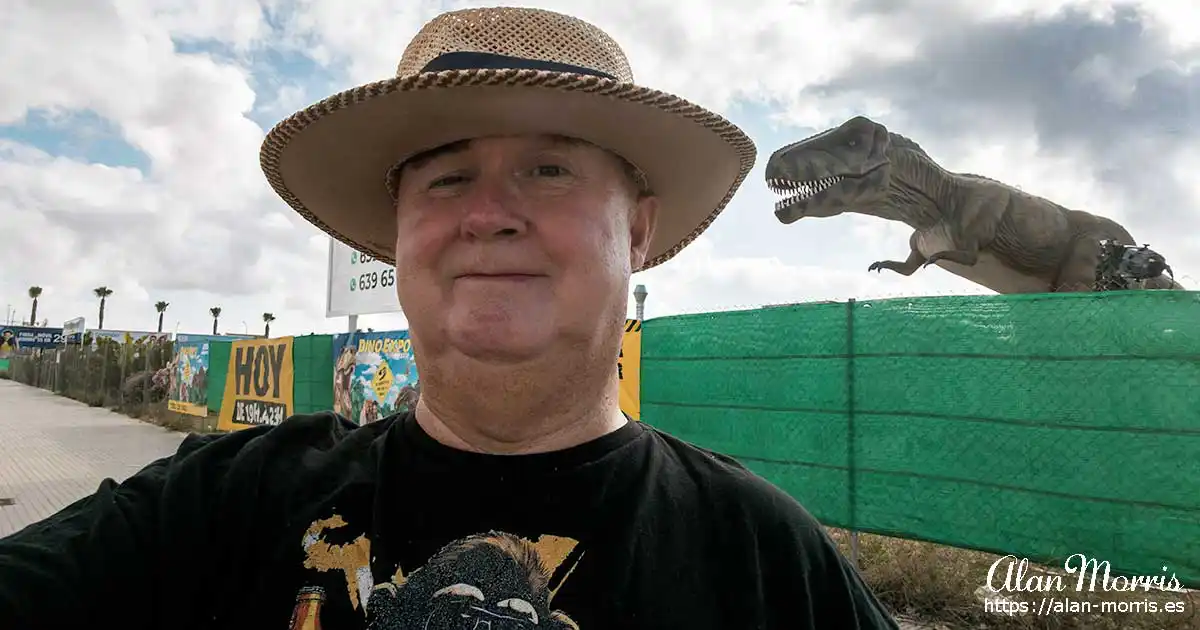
[1037, 425]
[312, 357]
[218, 368]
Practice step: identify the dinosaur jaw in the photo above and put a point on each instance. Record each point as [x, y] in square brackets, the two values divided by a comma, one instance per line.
[800, 196]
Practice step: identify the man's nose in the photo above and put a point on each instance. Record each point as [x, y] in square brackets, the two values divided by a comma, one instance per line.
[492, 210]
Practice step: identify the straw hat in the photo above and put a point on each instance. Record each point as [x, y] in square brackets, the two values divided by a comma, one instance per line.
[493, 71]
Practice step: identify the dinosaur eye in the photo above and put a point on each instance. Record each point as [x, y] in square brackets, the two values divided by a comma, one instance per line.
[462, 590]
[852, 142]
[521, 606]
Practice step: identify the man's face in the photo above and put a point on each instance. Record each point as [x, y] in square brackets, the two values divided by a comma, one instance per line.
[508, 248]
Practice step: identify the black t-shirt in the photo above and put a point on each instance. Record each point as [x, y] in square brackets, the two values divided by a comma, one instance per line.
[382, 527]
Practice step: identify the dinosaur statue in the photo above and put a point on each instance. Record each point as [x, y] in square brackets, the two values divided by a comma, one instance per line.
[978, 228]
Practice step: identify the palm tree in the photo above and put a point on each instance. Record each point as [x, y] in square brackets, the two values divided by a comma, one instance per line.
[268, 318]
[216, 313]
[102, 293]
[35, 292]
[161, 307]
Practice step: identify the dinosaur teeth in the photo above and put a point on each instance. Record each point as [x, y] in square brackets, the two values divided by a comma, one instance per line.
[801, 190]
[782, 185]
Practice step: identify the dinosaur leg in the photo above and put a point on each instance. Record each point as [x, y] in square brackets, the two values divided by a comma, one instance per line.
[967, 256]
[906, 268]
[1078, 272]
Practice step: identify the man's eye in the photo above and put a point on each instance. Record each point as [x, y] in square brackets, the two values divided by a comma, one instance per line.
[549, 170]
[448, 180]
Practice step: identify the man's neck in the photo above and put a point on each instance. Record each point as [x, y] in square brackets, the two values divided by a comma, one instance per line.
[500, 427]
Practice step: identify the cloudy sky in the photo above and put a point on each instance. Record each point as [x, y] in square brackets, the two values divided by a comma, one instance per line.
[129, 136]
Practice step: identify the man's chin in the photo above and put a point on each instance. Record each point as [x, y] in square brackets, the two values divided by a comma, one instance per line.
[499, 345]
[498, 356]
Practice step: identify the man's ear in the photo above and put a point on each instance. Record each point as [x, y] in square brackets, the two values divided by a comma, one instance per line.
[643, 218]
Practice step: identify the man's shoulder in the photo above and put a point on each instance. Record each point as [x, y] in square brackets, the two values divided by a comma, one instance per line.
[301, 436]
[754, 524]
[711, 468]
[725, 484]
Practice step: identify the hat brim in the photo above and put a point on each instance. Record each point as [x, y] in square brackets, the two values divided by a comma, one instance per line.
[329, 161]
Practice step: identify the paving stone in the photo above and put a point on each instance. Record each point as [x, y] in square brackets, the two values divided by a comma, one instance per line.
[55, 451]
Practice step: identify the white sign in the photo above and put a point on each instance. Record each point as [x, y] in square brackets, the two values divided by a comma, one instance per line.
[358, 284]
[73, 327]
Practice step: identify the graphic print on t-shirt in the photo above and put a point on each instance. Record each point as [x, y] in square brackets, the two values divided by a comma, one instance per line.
[490, 580]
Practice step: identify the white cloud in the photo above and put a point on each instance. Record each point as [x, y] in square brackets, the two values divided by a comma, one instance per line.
[201, 228]
[709, 51]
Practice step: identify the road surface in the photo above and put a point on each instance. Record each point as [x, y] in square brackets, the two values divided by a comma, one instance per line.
[54, 450]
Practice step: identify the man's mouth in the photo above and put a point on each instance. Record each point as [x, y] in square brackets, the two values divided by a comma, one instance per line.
[498, 276]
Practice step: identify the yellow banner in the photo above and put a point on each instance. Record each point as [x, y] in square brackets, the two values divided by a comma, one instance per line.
[258, 386]
[191, 409]
[629, 369]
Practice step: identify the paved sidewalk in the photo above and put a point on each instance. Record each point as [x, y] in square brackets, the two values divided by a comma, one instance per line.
[54, 450]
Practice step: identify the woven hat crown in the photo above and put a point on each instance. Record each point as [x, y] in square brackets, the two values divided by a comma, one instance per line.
[516, 32]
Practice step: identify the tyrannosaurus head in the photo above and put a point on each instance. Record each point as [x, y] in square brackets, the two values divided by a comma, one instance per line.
[832, 172]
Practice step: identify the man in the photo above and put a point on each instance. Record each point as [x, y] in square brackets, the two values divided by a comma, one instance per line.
[518, 177]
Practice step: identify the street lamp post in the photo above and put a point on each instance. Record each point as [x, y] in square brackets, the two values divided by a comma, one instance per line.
[639, 294]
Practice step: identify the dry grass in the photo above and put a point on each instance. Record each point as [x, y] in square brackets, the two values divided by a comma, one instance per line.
[159, 414]
[937, 585]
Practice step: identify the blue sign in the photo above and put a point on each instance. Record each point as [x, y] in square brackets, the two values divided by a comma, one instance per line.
[15, 338]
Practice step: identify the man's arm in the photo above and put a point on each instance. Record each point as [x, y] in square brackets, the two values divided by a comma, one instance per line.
[103, 556]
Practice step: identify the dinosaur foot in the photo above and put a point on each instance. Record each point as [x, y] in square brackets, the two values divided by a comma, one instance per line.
[892, 265]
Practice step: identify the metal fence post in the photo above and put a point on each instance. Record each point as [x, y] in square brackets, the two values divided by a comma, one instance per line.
[104, 376]
[149, 376]
[122, 356]
[850, 435]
